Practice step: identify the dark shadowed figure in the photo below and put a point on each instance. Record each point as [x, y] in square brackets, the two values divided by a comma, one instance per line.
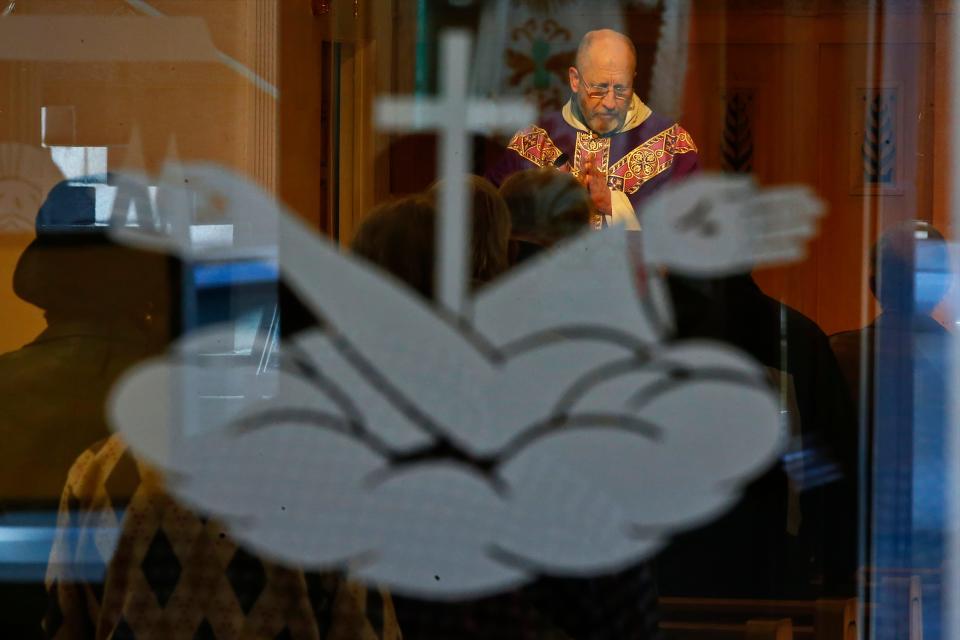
[106, 307]
[896, 369]
[793, 532]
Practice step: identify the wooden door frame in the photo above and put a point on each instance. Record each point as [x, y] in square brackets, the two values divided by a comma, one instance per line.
[361, 69]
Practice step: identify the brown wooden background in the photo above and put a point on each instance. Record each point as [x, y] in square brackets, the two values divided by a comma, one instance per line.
[804, 63]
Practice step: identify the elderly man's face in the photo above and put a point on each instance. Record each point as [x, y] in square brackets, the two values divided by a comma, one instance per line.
[603, 86]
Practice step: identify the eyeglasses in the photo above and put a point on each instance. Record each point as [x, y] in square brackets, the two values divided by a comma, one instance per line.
[620, 92]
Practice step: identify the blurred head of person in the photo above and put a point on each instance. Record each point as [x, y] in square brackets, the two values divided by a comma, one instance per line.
[910, 268]
[76, 273]
[546, 206]
[398, 237]
[489, 229]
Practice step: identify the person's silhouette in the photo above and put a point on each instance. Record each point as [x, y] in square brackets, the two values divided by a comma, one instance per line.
[106, 307]
[896, 371]
[793, 533]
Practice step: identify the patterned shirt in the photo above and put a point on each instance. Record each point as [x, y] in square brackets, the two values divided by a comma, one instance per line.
[129, 562]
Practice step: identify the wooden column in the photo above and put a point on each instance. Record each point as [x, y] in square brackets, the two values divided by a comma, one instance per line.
[262, 134]
[301, 76]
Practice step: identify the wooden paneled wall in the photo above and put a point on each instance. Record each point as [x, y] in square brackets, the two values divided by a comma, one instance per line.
[799, 74]
[797, 71]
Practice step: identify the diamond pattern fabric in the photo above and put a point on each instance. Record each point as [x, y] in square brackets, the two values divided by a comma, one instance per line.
[161, 568]
[172, 574]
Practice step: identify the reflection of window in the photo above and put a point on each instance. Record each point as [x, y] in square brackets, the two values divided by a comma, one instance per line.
[247, 329]
[238, 293]
[211, 235]
[87, 167]
[81, 159]
[76, 162]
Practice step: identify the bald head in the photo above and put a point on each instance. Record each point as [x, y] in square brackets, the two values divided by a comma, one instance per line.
[606, 48]
[602, 79]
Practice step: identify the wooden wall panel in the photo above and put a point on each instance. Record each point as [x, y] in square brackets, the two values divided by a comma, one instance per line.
[805, 62]
[839, 251]
[302, 75]
[806, 69]
[857, 217]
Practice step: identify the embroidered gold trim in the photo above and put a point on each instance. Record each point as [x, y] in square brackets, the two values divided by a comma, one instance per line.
[591, 146]
[534, 144]
[650, 159]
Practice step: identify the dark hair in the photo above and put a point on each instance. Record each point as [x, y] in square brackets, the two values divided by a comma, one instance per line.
[398, 236]
[546, 205]
[490, 229]
[74, 268]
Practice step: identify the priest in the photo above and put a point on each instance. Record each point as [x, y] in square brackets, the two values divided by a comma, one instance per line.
[605, 135]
